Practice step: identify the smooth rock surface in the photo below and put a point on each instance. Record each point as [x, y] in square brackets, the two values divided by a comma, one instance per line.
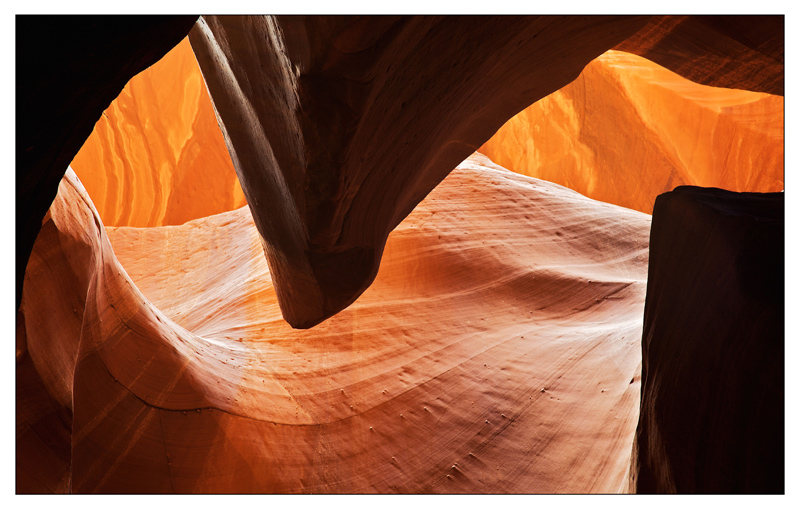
[712, 409]
[628, 130]
[496, 352]
[196, 384]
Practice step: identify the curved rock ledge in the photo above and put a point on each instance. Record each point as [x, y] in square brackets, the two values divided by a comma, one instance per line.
[733, 51]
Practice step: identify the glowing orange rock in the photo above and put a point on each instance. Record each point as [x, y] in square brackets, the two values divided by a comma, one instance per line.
[68, 71]
[497, 351]
[157, 157]
[628, 130]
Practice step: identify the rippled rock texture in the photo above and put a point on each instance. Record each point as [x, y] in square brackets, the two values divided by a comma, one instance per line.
[712, 414]
[319, 113]
[628, 130]
[506, 309]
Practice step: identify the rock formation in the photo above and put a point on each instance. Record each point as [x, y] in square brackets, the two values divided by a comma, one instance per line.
[496, 350]
[323, 134]
[338, 127]
[156, 157]
[712, 410]
[628, 130]
[744, 52]
[68, 71]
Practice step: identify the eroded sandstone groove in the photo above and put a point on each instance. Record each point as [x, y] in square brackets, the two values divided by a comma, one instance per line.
[498, 349]
[156, 156]
[628, 130]
[68, 71]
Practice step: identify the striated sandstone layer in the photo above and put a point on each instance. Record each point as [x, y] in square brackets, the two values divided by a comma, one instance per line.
[320, 115]
[497, 351]
[69, 69]
[156, 157]
[731, 51]
[712, 408]
[628, 130]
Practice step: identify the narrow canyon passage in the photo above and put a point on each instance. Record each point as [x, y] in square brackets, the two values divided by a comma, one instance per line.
[498, 349]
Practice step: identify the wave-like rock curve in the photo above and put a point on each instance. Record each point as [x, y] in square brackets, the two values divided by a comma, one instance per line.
[497, 351]
[320, 114]
[68, 71]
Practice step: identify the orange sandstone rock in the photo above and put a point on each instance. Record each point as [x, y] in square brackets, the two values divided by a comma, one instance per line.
[156, 156]
[497, 351]
[341, 98]
[628, 130]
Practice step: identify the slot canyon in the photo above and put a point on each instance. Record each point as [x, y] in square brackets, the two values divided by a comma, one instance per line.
[400, 254]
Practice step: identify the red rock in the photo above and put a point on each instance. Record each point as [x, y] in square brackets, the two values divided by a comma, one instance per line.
[497, 350]
[442, 85]
[495, 286]
[744, 52]
[628, 130]
[68, 71]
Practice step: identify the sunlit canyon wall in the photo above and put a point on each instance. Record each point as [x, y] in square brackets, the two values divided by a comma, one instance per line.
[499, 348]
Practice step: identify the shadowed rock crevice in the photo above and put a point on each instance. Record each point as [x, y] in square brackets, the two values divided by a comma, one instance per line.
[498, 349]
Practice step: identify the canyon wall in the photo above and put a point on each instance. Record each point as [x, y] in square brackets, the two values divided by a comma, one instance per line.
[156, 156]
[730, 51]
[499, 348]
[69, 69]
[341, 99]
[338, 127]
[628, 130]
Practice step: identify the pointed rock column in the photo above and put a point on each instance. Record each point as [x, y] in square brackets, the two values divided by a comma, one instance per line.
[339, 126]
